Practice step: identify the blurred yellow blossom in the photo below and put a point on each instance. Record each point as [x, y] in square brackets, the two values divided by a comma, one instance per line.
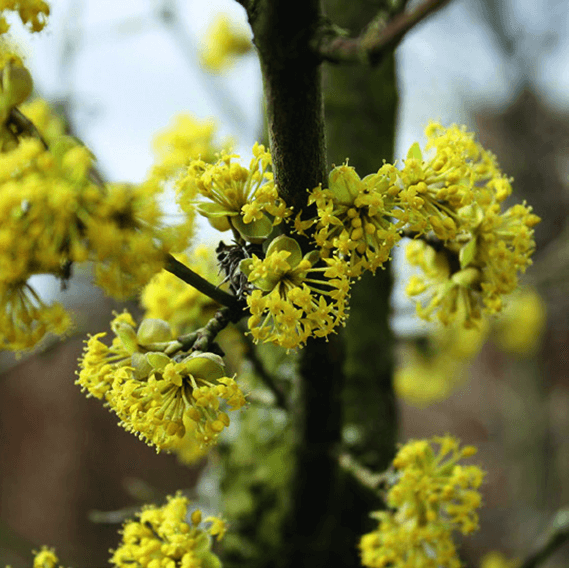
[520, 327]
[432, 367]
[187, 138]
[46, 558]
[224, 42]
[498, 560]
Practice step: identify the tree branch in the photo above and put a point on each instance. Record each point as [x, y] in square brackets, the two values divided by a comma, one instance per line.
[184, 273]
[202, 339]
[260, 370]
[378, 38]
[553, 538]
[293, 95]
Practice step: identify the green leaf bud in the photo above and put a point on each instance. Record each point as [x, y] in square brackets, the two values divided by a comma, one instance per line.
[157, 360]
[17, 84]
[127, 336]
[256, 231]
[207, 366]
[142, 368]
[282, 242]
[153, 331]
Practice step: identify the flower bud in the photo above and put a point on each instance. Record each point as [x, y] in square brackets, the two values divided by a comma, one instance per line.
[153, 330]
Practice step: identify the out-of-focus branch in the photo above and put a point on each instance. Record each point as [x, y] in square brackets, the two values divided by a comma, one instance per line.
[366, 477]
[262, 372]
[380, 36]
[553, 538]
[170, 17]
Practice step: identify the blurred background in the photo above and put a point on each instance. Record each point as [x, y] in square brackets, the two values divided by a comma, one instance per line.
[119, 72]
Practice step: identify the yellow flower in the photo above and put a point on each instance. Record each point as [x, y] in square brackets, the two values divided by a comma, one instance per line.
[457, 196]
[100, 362]
[352, 217]
[430, 496]
[186, 139]
[223, 44]
[25, 319]
[498, 560]
[46, 558]
[155, 394]
[473, 273]
[435, 486]
[460, 171]
[294, 299]
[188, 449]
[451, 296]
[239, 198]
[520, 327]
[161, 537]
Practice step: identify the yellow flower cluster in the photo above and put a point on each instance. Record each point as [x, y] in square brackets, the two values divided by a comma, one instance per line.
[122, 231]
[55, 212]
[469, 250]
[34, 229]
[431, 496]
[53, 215]
[46, 558]
[458, 195]
[153, 387]
[432, 368]
[243, 199]
[33, 13]
[352, 217]
[163, 537]
[224, 43]
[294, 299]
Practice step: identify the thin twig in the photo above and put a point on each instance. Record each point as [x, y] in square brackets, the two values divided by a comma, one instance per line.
[202, 339]
[378, 38]
[366, 477]
[193, 279]
[552, 539]
[260, 370]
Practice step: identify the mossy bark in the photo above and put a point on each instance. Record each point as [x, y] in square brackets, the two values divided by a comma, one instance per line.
[327, 513]
[361, 107]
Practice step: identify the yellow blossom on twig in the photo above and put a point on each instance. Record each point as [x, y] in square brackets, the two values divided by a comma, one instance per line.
[164, 536]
